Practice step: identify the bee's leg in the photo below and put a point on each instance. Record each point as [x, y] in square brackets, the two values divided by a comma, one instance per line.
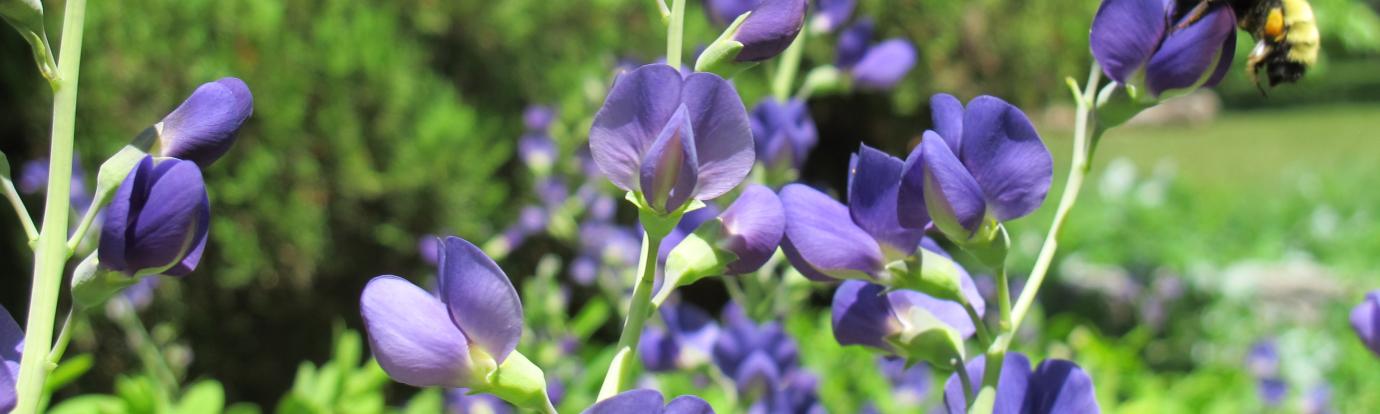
[1194, 15]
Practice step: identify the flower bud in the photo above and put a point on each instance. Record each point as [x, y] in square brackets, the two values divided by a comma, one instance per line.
[26, 16]
[203, 127]
[157, 221]
[1365, 319]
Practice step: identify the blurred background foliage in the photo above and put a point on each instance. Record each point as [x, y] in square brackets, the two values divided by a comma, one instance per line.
[377, 122]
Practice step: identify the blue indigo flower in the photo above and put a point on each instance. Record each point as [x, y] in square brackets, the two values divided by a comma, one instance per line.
[1365, 319]
[33, 178]
[422, 340]
[1056, 386]
[672, 138]
[756, 357]
[873, 66]
[429, 246]
[647, 401]
[1142, 42]
[908, 385]
[605, 249]
[826, 240]
[784, 133]
[752, 229]
[537, 151]
[461, 401]
[11, 347]
[723, 12]
[1262, 361]
[552, 192]
[866, 314]
[798, 394]
[203, 127]
[981, 164]
[832, 14]
[686, 342]
[157, 221]
[538, 118]
[770, 29]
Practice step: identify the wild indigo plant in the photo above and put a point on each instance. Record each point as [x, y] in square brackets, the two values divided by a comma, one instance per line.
[1365, 319]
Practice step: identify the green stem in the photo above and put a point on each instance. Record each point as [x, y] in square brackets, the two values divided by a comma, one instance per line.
[64, 338]
[19, 209]
[996, 351]
[51, 252]
[674, 32]
[790, 64]
[1082, 157]
[1004, 300]
[86, 220]
[148, 351]
[617, 379]
[963, 377]
[983, 334]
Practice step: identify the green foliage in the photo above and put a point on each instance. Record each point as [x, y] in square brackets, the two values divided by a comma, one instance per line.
[341, 385]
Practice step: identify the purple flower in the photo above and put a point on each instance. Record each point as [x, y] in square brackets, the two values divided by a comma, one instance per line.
[909, 385]
[538, 118]
[756, 357]
[461, 401]
[723, 12]
[686, 342]
[1137, 40]
[157, 221]
[832, 14]
[672, 138]
[1056, 386]
[878, 67]
[429, 246]
[11, 346]
[647, 401]
[985, 162]
[866, 314]
[538, 151]
[34, 178]
[1319, 400]
[825, 240]
[752, 229]
[1365, 319]
[424, 341]
[203, 127]
[770, 29]
[784, 133]
[1263, 359]
[798, 394]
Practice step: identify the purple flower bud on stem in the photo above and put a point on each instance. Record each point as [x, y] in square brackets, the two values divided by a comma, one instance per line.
[157, 221]
[770, 29]
[203, 127]
[1141, 41]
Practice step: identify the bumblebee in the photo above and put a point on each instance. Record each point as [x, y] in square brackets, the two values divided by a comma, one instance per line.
[1285, 32]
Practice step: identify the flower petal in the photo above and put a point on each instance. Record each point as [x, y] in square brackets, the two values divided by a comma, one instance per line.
[658, 350]
[411, 336]
[537, 118]
[862, 315]
[1365, 319]
[480, 298]
[832, 14]
[821, 241]
[853, 43]
[947, 114]
[1060, 386]
[635, 401]
[193, 257]
[1223, 61]
[949, 312]
[203, 127]
[692, 327]
[723, 12]
[1125, 34]
[1011, 387]
[884, 64]
[723, 138]
[634, 112]
[158, 218]
[670, 166]
[688, 404]
[11, 349]
[770, 28]
[753, 227]
[1005, 154]
[757, 373]
[1187, 55]
[952, 196]
[911, 210]
[876, 178]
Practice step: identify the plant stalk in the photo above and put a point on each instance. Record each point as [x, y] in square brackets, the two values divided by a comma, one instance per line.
[674, 33]
[618, 377]
[51, 253]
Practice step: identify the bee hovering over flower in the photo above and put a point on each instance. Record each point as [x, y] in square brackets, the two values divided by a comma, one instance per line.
[1285, 31]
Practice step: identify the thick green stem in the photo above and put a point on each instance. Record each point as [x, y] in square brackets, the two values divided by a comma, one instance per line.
[51, 252]
[674, 33]
[618, 377]
[1078, 170]
[27, 221]
[790, 64]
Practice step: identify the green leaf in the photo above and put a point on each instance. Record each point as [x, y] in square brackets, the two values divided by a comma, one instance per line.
[68, 371]
[428, 401]
[91, 404]
[203, 397]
